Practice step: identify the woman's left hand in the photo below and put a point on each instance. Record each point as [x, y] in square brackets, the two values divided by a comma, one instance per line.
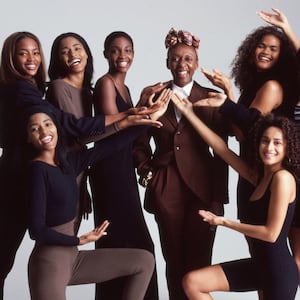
[95, 234]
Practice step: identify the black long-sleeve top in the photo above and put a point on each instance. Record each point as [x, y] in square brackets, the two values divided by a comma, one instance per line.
[14, 99]
[53, 194]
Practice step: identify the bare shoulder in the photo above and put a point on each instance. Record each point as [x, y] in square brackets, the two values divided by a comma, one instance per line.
[272, 85]
[284, 178]
[104, 82]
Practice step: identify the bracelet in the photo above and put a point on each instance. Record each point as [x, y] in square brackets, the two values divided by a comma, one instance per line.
[116, 126]
[146, 179]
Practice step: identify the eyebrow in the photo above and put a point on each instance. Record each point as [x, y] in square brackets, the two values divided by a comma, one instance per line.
[46, 120]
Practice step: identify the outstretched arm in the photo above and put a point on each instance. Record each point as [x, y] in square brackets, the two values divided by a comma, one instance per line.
[213, 140]
[279, 19]
[283, 192]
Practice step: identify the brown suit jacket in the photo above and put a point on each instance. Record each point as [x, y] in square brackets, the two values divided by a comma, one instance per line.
[204, 174]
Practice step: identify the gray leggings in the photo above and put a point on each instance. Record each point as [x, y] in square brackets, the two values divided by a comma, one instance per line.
[52, 268]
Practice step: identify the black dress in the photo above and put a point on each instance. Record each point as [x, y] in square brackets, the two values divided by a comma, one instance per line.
[116, 198]
[271, 267]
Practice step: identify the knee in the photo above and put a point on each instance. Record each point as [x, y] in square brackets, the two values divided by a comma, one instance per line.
[190, 284]
[146, 259]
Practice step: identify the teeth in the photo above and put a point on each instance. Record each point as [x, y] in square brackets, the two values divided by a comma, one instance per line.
[75, 61]
[182, 72]
[123, 64]
[31, 66]
[47, 139]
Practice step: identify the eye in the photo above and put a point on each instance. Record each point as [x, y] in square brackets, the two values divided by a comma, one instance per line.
[189, 59]
[34, 128]
[260, 46]
[22, 53]
[174, 59]
[48, 124]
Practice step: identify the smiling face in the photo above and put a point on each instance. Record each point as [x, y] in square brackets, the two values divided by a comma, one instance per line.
[42, 132]
[272, 147]
[73, 55]
[182, 61]
[119, 55]
[267, 52]
[27, 57]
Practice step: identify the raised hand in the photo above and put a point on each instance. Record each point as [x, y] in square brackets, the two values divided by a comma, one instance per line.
[220, 80]
[277, 19]
[95, 234]
[160, 105]
[148, 91]
[213, 100]
[183, 105]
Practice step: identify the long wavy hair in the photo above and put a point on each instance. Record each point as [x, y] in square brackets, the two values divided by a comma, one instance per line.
[291, 135]
[9, 73]
[285, 71]
[57, 68]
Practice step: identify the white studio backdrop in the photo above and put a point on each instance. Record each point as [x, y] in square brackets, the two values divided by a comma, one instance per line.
[220, 25]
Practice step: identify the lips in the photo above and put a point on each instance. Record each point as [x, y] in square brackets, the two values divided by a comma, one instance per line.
[31, 66]
[122, 64]
[47, 139]
[264, 58]
[74, 62]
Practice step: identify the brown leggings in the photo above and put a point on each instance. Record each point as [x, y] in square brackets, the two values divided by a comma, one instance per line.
[52, 268]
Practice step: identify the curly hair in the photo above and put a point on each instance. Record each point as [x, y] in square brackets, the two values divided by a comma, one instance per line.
[285, 71]
[290, 135]
[9, 72]
[57, 68]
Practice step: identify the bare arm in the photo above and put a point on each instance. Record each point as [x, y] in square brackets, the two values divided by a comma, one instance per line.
[214, 141]
[268, 97]
[283, 192]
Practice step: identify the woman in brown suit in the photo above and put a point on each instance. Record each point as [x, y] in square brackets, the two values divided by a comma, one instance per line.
[182, 175]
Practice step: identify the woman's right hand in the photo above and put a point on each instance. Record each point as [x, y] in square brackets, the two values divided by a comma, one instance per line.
[277, 19]
[213, 100]
[220, 80]
[211, 218]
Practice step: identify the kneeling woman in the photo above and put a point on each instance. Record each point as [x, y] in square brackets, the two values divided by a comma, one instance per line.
[273, 172]
[55, 261]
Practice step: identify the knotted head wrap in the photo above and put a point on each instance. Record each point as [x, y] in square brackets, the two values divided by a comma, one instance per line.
[181, 37]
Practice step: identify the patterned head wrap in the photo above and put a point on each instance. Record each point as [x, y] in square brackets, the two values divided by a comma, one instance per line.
[181, 36]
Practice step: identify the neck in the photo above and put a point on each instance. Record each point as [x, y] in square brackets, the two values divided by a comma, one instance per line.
[75, 80]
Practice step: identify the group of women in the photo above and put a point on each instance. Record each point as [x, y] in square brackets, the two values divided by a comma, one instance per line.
[53, 207]
[182, 177]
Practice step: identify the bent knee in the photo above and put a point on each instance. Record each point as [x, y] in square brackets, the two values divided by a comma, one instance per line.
[146, 260]
[190, 284]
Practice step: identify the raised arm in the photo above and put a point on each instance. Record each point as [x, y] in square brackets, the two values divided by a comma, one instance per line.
[279, 19]
[213, 140]
[283, 192]
[220, 80]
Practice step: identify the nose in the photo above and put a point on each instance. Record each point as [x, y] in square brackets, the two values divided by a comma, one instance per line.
[270, 146]
[30, 57]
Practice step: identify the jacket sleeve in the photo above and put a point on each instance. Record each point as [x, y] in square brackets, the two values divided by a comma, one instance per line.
[142, 153]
